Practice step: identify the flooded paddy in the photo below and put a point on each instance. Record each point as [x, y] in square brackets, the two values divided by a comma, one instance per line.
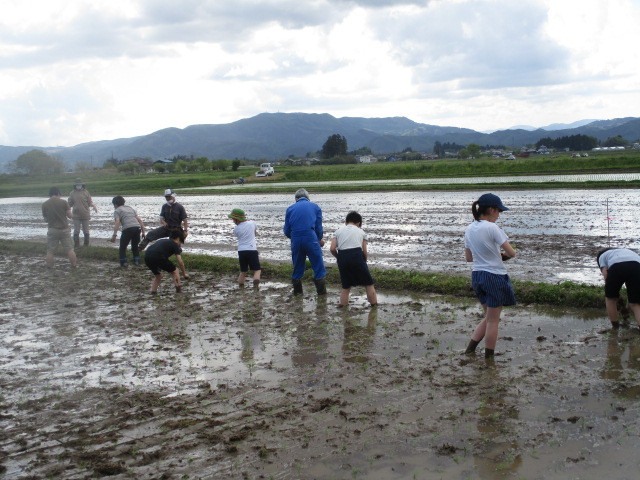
[99, 379]
[556, 232]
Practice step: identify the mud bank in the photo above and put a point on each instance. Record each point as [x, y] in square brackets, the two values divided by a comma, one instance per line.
[99, 379]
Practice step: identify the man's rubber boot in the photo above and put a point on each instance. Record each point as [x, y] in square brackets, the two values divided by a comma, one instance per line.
[86, 240]
[143, 244]
[297, 287]
[321, 288]
[76, 240]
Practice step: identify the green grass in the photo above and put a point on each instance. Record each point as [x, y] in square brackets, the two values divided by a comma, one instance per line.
[109, 182]
[567, 294]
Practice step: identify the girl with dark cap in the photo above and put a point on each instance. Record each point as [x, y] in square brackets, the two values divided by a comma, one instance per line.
[487, 246]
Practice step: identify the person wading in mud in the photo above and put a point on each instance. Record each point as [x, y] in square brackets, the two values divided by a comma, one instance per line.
[487, 246]
[157, 259]
[81, 202]
[303, 225]
[56, 212]
[172, 216]
[620, 266]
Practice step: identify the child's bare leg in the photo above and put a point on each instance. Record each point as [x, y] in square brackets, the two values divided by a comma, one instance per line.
[612, 310]
[492, 319]
[49, 260]
[344, 297]
[635, 308]
[156, 282]
[256, 275]
[478, 333]
[241, 277]
[72, 258]
[371, 294]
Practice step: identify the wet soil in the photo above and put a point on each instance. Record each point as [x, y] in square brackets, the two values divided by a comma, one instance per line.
[99, 379]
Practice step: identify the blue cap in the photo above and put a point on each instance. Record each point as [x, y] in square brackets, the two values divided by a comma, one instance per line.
[491, 200]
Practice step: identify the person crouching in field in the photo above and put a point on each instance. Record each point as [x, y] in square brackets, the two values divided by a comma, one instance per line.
[620, 266]
[487, 246]
[157, 258]
[245, 232]
[349, 246]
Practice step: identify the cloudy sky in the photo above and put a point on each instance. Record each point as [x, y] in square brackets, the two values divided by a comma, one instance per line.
[73, 71]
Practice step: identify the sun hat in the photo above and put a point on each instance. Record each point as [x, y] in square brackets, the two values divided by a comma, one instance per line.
[300, 193]
[238, 214]
[491, 200]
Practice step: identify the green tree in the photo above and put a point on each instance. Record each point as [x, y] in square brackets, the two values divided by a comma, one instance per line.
[203, 164]
[37, 162]
[336, 145]
[235, 165]
[221, 164]
[616, 141]
[473, 150]
[438, 149]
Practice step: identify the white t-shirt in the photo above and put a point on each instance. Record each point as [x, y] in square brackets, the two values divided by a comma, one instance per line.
[617, 255]
[246, 233]
[349, 236]
[484, 238]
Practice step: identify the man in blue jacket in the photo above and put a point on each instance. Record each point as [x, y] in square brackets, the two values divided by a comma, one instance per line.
[303, 225]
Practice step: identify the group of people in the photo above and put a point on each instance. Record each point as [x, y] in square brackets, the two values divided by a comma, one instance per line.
[486, 246]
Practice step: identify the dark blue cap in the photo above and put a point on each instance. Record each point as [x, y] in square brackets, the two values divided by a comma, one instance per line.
[491, 200]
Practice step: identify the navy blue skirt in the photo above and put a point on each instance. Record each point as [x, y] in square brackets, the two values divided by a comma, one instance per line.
[353, 268]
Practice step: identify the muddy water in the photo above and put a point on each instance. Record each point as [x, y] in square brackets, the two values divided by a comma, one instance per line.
[99, 379]
[556, 232]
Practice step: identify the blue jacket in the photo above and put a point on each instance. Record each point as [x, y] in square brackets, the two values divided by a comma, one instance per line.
[302, 218]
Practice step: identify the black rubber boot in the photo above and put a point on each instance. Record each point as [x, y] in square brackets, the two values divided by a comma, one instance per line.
[321, 288]
[297, 287]
[86, 240]
[488, 353]
[471, 348]
[76, 240]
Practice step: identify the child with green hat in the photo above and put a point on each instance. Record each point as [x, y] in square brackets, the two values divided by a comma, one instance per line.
[245, 232]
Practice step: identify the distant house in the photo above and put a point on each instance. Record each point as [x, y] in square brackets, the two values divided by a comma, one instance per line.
[365, 158]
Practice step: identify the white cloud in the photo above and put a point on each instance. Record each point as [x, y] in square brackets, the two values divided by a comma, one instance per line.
[81, 70]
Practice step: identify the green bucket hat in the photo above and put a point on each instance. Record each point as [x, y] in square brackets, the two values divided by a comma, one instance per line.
[237, 214]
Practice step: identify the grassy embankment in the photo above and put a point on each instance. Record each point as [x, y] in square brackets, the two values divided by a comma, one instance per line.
[566, 294]
[101, 182]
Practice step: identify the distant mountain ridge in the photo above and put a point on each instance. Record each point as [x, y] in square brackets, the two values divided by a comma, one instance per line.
[278, 135]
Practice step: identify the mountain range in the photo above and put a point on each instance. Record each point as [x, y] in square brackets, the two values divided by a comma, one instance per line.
[277, 135]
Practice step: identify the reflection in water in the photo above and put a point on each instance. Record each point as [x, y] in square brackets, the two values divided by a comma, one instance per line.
[500, 455]
[311, 334]
[622, 364]
[358, 339]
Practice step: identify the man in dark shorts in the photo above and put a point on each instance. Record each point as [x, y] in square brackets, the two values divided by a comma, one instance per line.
[57, 213]
[172, 216]
[157, 258]
[620, 266]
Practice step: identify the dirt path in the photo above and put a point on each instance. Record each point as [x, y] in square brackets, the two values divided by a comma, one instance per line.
[99, 379]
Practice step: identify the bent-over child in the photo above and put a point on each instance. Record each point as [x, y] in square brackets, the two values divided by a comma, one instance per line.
[245, 231]
[157, 259]
[349, 246]
[620, 266]
[487, 246]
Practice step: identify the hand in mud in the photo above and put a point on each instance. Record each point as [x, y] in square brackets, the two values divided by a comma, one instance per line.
[505, 257]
